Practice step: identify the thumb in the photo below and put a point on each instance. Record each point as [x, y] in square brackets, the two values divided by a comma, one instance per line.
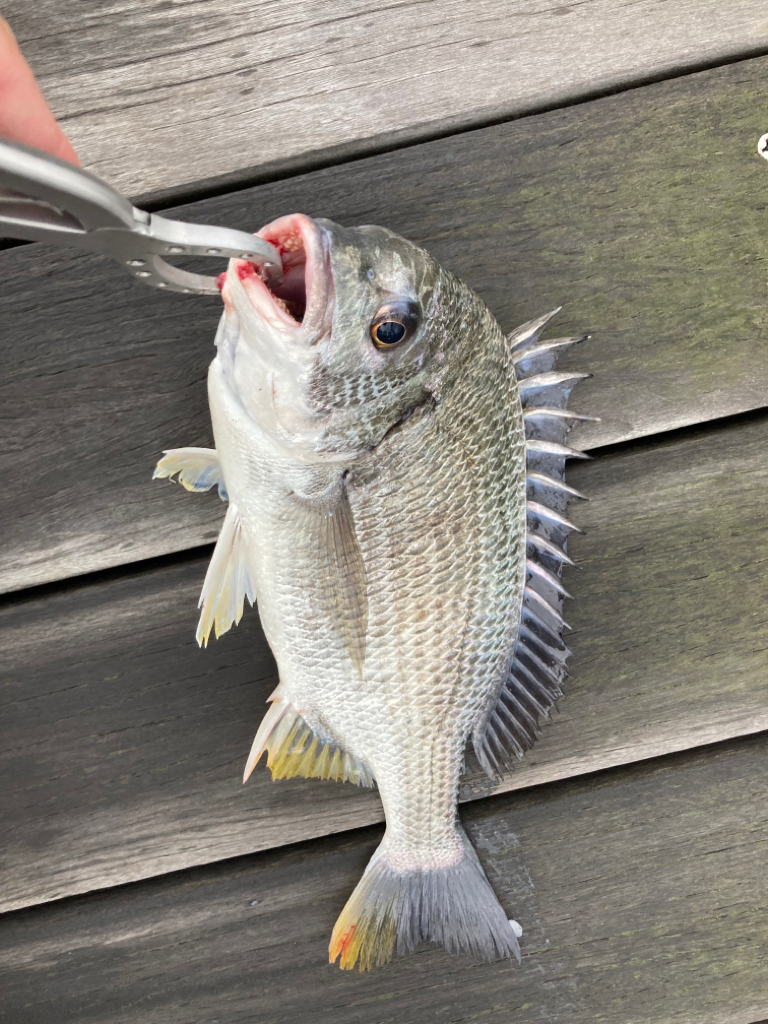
[24, 114]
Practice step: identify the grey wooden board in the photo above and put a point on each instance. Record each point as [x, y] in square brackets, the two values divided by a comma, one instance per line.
[641, 893]
[642, 213]
[158, 97]
[123, 745]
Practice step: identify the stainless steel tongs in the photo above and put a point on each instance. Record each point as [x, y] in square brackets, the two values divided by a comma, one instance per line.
[47, 200]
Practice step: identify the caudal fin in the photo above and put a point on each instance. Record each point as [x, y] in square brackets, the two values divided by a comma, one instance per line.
[391, 912]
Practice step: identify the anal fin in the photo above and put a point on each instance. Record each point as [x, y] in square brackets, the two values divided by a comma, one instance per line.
[295, 749]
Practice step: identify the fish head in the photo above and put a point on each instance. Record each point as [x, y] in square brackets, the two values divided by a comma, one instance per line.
[357, 336]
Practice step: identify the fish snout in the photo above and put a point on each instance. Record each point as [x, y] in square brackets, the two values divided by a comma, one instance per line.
[298, 306]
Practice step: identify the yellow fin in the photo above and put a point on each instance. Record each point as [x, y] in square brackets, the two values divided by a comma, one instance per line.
[294, 749]
[228, 581]
[436, 898]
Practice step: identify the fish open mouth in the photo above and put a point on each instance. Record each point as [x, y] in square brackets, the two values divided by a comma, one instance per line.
[301, 297]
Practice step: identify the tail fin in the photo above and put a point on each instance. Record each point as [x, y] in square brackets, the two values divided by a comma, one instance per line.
[391, 912]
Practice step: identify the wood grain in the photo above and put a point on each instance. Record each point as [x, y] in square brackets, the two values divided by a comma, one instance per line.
[642, 213]
[641, 893]
[123, 744]
[160, 97]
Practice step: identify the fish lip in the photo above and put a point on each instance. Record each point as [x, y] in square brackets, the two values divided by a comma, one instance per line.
[244, 275]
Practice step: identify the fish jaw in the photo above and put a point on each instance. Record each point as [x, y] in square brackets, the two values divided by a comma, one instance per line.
[296, 309]
[299, 355]
[269, 334]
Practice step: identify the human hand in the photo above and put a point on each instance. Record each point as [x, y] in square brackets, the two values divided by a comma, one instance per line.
[24, 114]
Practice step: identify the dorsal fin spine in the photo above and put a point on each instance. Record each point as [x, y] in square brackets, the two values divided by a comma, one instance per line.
[539, 510]
[530, 594]
[554, 581]
[542, 544]
[553, 349]
[537, 444]
[544, 480]
[530, 331]
[528, 616]
[534, 680]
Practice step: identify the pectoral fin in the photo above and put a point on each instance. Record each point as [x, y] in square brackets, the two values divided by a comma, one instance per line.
[345, 576]
[198, 469]
[339, 572]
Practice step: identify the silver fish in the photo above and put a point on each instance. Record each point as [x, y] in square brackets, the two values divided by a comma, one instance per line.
[394, 471]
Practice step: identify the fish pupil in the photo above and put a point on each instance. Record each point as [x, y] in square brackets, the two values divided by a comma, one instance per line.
[390, 332]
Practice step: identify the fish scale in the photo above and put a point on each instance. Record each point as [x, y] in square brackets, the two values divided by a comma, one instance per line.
[400, 522]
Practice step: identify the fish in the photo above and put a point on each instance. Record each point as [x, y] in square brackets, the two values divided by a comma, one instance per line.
[393, 467]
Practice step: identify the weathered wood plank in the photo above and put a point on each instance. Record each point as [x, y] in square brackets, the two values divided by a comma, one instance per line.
[642, 213]
[641, 893]
[123, 745]
[158, 97]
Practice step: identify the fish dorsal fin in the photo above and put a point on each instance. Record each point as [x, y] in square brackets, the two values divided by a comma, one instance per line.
[527, 334]
[295, 749]
[198, 469]
[228, 582]
[537, 669]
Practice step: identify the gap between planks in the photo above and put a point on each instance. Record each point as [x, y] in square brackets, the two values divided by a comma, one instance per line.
[642, 212]
[123, 744]
[157, 99]
[640, 891]
[71, 584]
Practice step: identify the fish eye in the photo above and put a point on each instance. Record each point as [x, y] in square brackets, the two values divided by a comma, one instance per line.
[394, 323]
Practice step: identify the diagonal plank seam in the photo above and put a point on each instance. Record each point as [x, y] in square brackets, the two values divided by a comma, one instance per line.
[204, 551]
[547, 790]
[350, 153]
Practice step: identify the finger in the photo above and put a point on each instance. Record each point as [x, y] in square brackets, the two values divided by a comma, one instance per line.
[24, 114]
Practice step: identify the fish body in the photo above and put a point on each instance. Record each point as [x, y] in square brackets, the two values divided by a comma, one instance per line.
[371, 441]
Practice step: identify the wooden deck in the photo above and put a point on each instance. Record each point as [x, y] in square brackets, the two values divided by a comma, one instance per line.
[141, 882]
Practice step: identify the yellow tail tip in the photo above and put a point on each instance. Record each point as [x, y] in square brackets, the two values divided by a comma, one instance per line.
[391, 912]
[341, 947]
